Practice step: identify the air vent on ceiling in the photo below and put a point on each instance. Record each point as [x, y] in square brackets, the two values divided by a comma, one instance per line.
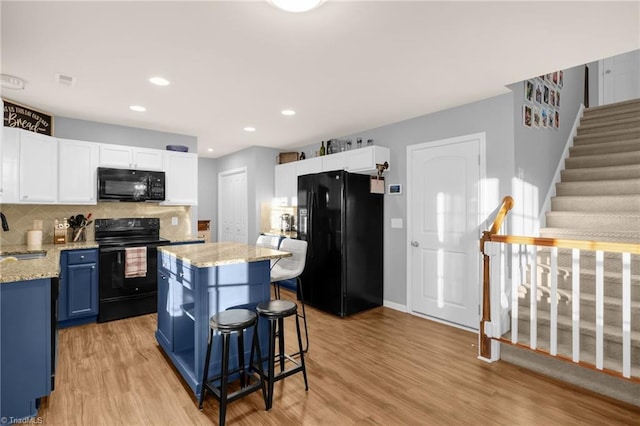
[66, 80]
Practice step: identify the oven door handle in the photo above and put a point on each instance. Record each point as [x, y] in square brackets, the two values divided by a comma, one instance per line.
[111, 250]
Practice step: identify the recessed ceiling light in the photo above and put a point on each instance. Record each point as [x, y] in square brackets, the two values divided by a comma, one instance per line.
[249, 129]
[11, 82]
[210, 149]
[296, 5]
[137, 108]
[288, 112]
[159, 81]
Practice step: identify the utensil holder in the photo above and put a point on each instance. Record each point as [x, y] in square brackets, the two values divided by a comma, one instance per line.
[79, 234]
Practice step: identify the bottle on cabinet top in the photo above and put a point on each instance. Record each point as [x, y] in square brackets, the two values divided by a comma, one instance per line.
[322, 149]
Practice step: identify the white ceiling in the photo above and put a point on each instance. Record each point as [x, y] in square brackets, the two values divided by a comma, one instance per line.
[345, 67]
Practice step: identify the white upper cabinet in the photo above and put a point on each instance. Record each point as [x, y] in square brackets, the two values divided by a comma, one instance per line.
[286, 184]
[364, 160]
[181, 174]
[38, 168]
[361, 160]
[128, 157]
[148, 159]
[10, 175]
[77, 162]
[309, 166]
[333, 162]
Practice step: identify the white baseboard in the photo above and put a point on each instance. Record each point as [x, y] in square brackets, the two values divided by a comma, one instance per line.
[395, 306]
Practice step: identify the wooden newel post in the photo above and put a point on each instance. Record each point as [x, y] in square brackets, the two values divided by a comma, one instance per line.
[485, 341]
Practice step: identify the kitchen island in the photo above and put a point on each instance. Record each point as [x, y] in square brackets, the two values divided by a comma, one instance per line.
[200, 280]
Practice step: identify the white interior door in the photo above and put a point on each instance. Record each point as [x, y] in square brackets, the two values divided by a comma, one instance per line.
[621, 77]
[444, 207]
[232, 206]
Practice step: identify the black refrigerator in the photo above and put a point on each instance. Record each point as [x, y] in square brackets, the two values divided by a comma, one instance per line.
[342, 221]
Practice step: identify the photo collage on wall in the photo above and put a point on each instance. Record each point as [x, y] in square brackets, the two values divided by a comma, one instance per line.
[541, 108]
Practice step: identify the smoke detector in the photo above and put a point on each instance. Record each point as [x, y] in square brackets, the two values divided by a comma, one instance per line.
[11, 82]
[65, 79]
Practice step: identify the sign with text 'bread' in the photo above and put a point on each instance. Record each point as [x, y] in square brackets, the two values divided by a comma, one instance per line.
[23, 117]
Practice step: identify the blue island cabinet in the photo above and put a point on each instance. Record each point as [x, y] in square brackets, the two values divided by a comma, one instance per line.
[78, 303]
[189, 295]
[25, 348]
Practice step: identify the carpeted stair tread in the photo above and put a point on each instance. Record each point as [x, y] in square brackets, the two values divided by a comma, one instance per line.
[601, 187]
[592, 379]
[597, 203]
[607, 125]
[608, 116]
[618, 106]
[591, 220]
[587, 174]
[603, 160]
[587, 328]
[605, 148]
[591, 235]
[608, 136]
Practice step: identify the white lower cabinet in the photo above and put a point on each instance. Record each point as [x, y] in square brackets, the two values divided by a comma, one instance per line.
[181, 174]
[77, 162]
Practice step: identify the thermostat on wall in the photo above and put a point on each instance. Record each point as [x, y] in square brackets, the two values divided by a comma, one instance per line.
[395, 188]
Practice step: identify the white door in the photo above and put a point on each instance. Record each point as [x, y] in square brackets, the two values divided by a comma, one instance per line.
[444, 198]
[621, 77]
[232, 206]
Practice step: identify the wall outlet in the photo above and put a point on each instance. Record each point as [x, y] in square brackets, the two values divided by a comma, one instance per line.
[174, 220]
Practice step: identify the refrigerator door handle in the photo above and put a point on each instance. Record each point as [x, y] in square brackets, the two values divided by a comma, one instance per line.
[310, 199]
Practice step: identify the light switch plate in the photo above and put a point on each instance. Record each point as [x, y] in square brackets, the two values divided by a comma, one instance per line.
[396, 222]
[174, 220]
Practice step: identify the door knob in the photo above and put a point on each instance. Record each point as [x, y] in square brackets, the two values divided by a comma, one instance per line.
[414, 244]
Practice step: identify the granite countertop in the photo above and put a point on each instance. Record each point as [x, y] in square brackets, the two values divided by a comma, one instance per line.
[217, 254]
[32, 269]
[186, 239]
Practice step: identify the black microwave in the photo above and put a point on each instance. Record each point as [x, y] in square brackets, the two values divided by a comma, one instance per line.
[130, 185]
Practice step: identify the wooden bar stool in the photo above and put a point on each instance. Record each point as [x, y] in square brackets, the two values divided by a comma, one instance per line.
[227, 322]
[276, 311]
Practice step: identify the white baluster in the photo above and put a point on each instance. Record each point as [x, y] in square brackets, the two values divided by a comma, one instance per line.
[516, 280]
[575, 294]
[626, 314]
[533, 298]
[599, 309]
[554, 302]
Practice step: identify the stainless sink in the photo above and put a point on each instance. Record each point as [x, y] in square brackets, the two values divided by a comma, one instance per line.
[24, 256]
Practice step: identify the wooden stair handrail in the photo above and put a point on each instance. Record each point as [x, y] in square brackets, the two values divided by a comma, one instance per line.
[507, 204]
[568, 244]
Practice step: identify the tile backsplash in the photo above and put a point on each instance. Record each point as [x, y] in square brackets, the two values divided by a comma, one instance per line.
[21, 216]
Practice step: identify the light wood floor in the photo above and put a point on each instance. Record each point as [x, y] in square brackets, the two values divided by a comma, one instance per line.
[381, 367]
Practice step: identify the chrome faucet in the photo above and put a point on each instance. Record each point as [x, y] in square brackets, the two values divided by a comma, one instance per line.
[5, 224]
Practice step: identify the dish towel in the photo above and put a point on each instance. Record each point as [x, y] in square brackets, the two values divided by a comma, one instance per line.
[135, 262]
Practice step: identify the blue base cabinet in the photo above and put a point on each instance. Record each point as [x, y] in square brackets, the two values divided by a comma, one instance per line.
[188, 296]
[25, 348]
[78, 302]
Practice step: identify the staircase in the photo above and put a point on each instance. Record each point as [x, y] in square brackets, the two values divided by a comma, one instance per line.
[598, 199]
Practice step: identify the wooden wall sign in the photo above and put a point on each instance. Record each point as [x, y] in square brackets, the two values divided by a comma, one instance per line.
[23, 117]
